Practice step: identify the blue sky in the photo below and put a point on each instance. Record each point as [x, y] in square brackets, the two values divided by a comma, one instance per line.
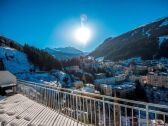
[50, 23]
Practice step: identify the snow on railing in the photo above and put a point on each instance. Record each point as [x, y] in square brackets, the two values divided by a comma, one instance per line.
[95, 109]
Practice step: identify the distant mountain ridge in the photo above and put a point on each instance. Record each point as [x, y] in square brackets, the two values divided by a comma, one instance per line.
[147, 41]
[65, 53]
[69, 49]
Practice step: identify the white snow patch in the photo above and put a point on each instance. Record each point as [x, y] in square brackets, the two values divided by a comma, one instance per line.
[99, 59]
[162, 39]
[147, 33]
[164, 23]
[88, 89]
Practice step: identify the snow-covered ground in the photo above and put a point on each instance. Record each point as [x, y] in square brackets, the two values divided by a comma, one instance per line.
[17, 63]
[36, 77]
[14, 61]
[57, 78]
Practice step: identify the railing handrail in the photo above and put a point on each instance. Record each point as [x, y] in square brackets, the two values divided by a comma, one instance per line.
[97, 95]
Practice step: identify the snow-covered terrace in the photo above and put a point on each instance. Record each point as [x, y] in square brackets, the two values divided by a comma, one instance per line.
[41, 105]
[18, 110]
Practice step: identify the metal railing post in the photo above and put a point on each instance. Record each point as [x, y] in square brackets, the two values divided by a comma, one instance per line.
[147, 115]
[104, 113]
[59, 108]
[77, 109]
[45, 96]
[36, 91]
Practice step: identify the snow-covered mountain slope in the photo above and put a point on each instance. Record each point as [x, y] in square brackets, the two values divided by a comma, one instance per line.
[70, 50]
[146, 41]
[14, 61]
[65, 53]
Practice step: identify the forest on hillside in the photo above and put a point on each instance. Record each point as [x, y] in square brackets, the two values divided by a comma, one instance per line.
[39, 58]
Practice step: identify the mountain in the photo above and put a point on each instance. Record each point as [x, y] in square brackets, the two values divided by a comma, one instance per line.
[13, 56]
[69, 49]
[147, 41]
[65, 53]
[10, 43]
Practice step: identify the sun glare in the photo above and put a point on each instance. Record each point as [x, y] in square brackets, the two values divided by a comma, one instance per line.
[82, 35]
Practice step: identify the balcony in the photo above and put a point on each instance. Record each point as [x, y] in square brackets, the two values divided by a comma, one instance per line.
[40, 105]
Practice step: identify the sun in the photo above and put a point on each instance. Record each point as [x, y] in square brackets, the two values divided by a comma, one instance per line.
[82, 35]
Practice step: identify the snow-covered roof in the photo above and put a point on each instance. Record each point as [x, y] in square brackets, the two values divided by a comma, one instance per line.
[163, 73]
[89, 85]
[78, 82]
[7, 78]
[88, 89]
[99, 59]
[124, 86]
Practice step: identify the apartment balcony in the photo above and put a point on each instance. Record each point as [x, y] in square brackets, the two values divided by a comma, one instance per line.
[39, 105]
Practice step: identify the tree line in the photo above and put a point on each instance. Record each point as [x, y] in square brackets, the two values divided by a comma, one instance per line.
[41, 59]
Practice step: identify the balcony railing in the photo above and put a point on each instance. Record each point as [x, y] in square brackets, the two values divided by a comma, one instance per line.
[95, 109]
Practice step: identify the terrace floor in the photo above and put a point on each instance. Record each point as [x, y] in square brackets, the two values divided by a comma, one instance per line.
[18, 110]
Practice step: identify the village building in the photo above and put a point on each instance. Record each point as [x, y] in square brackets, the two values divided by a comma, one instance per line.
[78, 84]
[158, 79]
[100, 75]
[72, 68]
